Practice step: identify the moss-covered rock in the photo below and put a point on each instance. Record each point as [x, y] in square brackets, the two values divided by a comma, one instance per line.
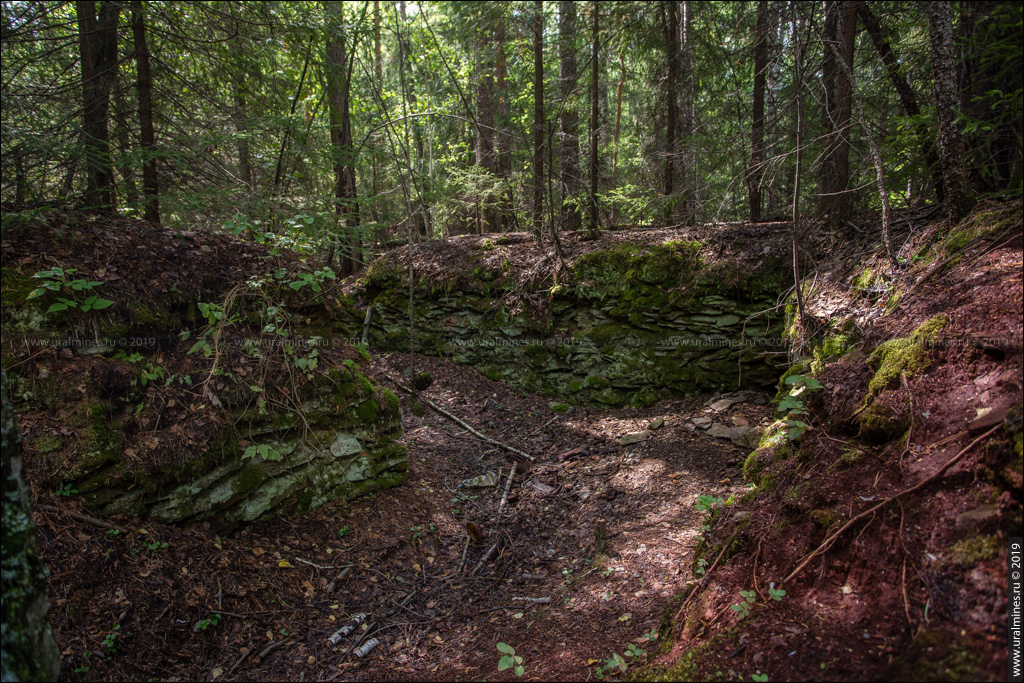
[29, 652]
[625, 325]
[904, 355]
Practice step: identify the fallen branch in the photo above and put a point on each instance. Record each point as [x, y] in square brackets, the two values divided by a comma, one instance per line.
[827, 543]
[508, 489]
[483, 560]
[534, 601]
[465, 426]
[341, 575]
[82, 518]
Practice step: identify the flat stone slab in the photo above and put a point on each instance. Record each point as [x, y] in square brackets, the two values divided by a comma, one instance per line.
[636, 437]
[702, 422]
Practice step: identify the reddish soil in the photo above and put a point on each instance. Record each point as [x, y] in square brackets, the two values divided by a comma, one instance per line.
[889, 599]
[409, 541]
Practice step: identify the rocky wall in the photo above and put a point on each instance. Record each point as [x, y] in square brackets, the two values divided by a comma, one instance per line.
[625, 325]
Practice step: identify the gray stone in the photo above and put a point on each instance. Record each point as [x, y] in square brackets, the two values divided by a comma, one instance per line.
[724, 403]
[656, 423]
[636, 437]
[345, 445]
[702, 422]
[977, 517]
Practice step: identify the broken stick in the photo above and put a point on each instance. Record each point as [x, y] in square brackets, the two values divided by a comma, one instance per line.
[471, 430]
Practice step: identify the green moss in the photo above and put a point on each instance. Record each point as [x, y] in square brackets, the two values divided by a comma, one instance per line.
[575, 386]
[880, 423]
[970, 551]
[391, 403]
[417, 408]
[560, 407]
[824, 518]
[367, 411]
[491, 373]
[906, 355]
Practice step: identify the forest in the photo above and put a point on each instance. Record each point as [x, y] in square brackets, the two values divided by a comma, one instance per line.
[512, 339]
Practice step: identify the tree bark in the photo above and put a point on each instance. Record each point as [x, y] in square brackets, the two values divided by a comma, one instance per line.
[538, 118]
[97, 37]
[485, 158]
[339, 79]
[906, 94]
[671, 28]
[756, 171]
[688, 180]
[570, 145]
[959, 198]
[834, 200]
[799, 85]
[147, 130]
[503, 140]
[594, 219]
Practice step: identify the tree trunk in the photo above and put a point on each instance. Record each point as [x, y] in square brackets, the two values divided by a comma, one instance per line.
[618, 124]
[834, 200]
[688, 184]
[756, 172]
[570, 145]
[147, 134]
[799, 85]
[594, 220]
[338, 82]
[959, 198]
[97, 37]
[484, 115]
[905, 92]
[503, 140]
[671, 28]
[538, 118]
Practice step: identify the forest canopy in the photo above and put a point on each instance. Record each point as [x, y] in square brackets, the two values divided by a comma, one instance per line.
[346, 125]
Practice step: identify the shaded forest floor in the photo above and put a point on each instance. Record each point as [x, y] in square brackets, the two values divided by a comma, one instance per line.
[405, 548]
[916, 590]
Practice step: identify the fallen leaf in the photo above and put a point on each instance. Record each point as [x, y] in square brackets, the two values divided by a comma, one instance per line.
[284, 563]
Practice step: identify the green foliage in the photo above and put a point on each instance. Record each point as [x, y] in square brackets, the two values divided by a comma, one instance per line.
[66, 490]
[510, 660]
[742, 608]
[262, 451]
[212, 620]
[58, 280]
[110, 640]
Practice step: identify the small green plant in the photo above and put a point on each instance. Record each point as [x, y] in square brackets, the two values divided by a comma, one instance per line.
[345, 530]
[760, 677]
[263, 451]
[66, 490]
[792, 404]
[702, 566]
[705, 503]
[110, 640]
[57, 280]
[742, 608]
[510, 660]
[635, 651]
[112, 534]
[776, 593]
[158, 545]
[615, 662]
[417, 531]
[206, 623]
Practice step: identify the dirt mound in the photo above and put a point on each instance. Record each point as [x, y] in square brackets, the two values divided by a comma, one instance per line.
[885, 523]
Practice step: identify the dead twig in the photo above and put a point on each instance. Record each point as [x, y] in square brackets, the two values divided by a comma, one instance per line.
[461, 423]
[827, 543]
[87, 519]
[508, 489]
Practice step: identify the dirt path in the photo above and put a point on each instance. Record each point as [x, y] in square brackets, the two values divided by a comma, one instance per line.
[399, 553]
